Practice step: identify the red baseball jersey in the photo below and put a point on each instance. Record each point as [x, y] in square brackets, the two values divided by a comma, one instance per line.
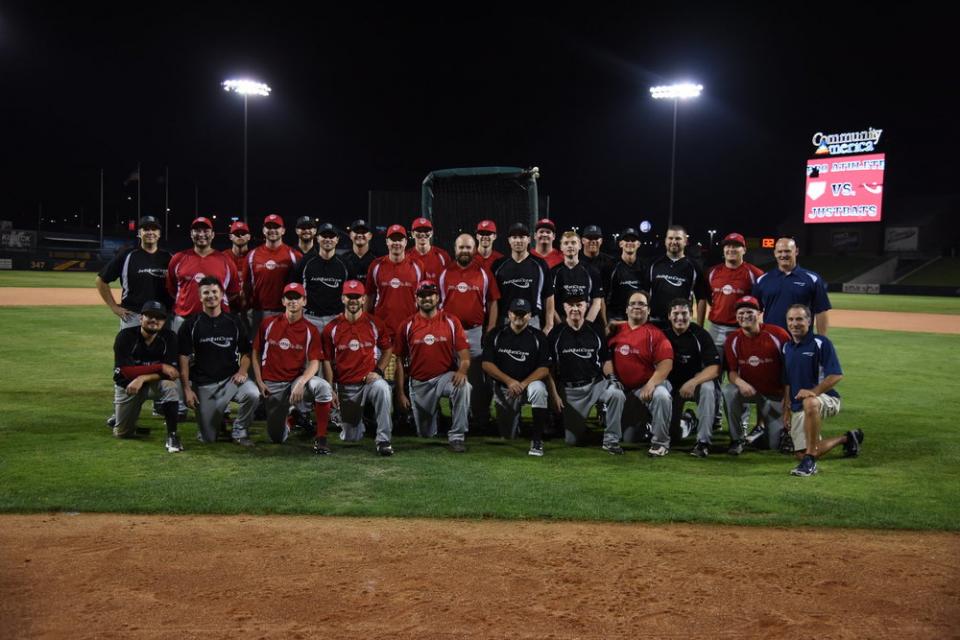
[726, 287]
[395, 284]
[187, 269]
[552, 257]
[431, 343]
[240, 262]
[636, 353]
[286, 347]
[758, 359]
[466, 292]
[267, 274]
[434, 261]
[488, 262]
[354, 348]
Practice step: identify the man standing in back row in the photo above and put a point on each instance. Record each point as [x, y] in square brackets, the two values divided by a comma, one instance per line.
[267, 271]
[523, 275]
[791, 284]
[675, 275]
[729, 281]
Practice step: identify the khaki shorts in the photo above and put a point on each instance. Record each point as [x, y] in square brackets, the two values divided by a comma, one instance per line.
[829, 407]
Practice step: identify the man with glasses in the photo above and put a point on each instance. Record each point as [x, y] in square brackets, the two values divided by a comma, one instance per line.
[360, 256]
[433, 259]
[642, 360]
[486, 235]
[267, 272]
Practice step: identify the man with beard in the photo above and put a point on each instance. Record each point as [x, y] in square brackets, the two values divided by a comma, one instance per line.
[523, 275]
[267, 272]
[486, 235]
[469, 292]
[360, 256]
[306, 234]
[675, 275]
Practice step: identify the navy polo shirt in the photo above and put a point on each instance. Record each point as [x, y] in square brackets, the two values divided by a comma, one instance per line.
[778, 291]
[807, 363]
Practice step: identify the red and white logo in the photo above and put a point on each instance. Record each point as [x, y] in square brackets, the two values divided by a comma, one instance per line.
[429, 339]
[200, 276]
[395, 283]
[270, 265]
[463, 287]
[284, 344]
[354, 345]
[624, 349]
[727, 290]
[753, 361]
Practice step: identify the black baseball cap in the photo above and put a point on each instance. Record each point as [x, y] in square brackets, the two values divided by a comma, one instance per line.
[149, 221]
[518, 229]
[574, 299]
[629, 232]
[521, 305]
[326, 227]
[592, 231]
[306, 221]
[359, 224]
[153, 308]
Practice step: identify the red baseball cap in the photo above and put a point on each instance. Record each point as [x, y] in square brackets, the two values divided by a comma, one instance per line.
[396, 229]
[239, 225]
[734, 238]
[421, 223]
[748, 301]
[426, 285]
[354, 287]
[274, 219]
[546, 222]
[296, 287]
[201, 222]
[487, 225]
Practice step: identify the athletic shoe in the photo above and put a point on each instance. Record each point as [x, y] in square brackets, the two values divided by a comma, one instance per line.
[736, 448]
[320, 447]
[658, 451]
[173, 443]
[806, 468]
[688, 423]
[851, 448]
[756, 433]
[244, 441]
[384, 448]
[536, 449]
[700, 450]
[112, 421]
[458, 446]
[613, 449]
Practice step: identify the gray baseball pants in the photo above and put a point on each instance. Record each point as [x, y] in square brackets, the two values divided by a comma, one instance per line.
[705, 396]
[508, 406]
[482, 392]
[127, 408]
[213, 400]
[353, 399]
[719, 334]
[425, 402]
[278, 403]
[659, 409]
[577, 402]
[770, 408]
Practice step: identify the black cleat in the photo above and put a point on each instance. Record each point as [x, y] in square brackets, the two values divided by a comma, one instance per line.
[851, 448]
[701, 450]
[320, 447]
[384, 448]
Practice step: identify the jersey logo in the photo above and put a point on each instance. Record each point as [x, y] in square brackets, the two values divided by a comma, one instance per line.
[429, 339]
[156, 273]
[673, 281]
[727, 290]
[624, 349]
[395, 283]
[284, 344]
[224, 342]
[753, 361]
[463, 287]
[800, 284]
[519, 356]
[522, 283]
[583, 352]
[354, 345]
[270, 265]
[198, 277]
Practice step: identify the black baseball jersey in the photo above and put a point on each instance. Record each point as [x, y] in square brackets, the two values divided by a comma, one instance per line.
[626, 279]
[671, 279]
[357, 267]
[142, 276]
[528, 279]
[130, 349]
[578, 355]
[604, 265]
[579, 280]
[323, 280]
[516, 354]
[693, 350]
[214, 346]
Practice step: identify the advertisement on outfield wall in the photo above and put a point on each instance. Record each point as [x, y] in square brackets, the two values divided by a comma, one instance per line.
[901, 239]
[844, 189]
[18, 239]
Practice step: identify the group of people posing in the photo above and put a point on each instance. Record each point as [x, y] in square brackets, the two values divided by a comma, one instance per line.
[301, 330]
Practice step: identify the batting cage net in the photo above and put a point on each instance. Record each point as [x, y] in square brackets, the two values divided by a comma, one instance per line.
[455, 200]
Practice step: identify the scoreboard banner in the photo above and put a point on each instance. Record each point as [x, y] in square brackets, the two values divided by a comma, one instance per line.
[844, 189]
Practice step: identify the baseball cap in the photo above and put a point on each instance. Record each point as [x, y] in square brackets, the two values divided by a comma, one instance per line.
[273, 219]
[421, 223]
[239, 225]
[734, 238]
[592, 231]
[304, 222]
[326, 227]
[546, 222]
[748, 301]
[487, 226]
[294, 287]
[518, 229]
[153, 308]
[520, 305]
[201, 222]
[354, 288]
[396, 229]
[629, 232]
[427, 286]
[149, 221]
[359, 224]
[574, 299]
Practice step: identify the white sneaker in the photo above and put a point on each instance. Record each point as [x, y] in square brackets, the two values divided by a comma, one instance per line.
[658, 451]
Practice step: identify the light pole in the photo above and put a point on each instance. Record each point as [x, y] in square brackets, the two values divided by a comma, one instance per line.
[712, 233]
[675, 92]
[246, 88]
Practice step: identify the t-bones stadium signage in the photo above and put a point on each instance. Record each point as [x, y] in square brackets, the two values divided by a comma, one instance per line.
[847, 188]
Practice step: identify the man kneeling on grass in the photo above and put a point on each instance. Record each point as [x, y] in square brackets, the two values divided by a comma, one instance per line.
[286, 359]
[812, 371]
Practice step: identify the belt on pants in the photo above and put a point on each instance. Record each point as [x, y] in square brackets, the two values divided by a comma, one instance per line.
[580, 383]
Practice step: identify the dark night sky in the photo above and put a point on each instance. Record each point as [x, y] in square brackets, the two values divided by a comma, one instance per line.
[374, 98]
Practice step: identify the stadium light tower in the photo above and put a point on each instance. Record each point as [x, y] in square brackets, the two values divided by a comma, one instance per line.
[675, 92]
[246, 88]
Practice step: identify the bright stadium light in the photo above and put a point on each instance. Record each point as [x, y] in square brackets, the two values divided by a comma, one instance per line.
[246, 88]
[675, 92]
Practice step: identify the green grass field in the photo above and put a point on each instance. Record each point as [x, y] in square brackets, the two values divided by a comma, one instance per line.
[57, 454]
